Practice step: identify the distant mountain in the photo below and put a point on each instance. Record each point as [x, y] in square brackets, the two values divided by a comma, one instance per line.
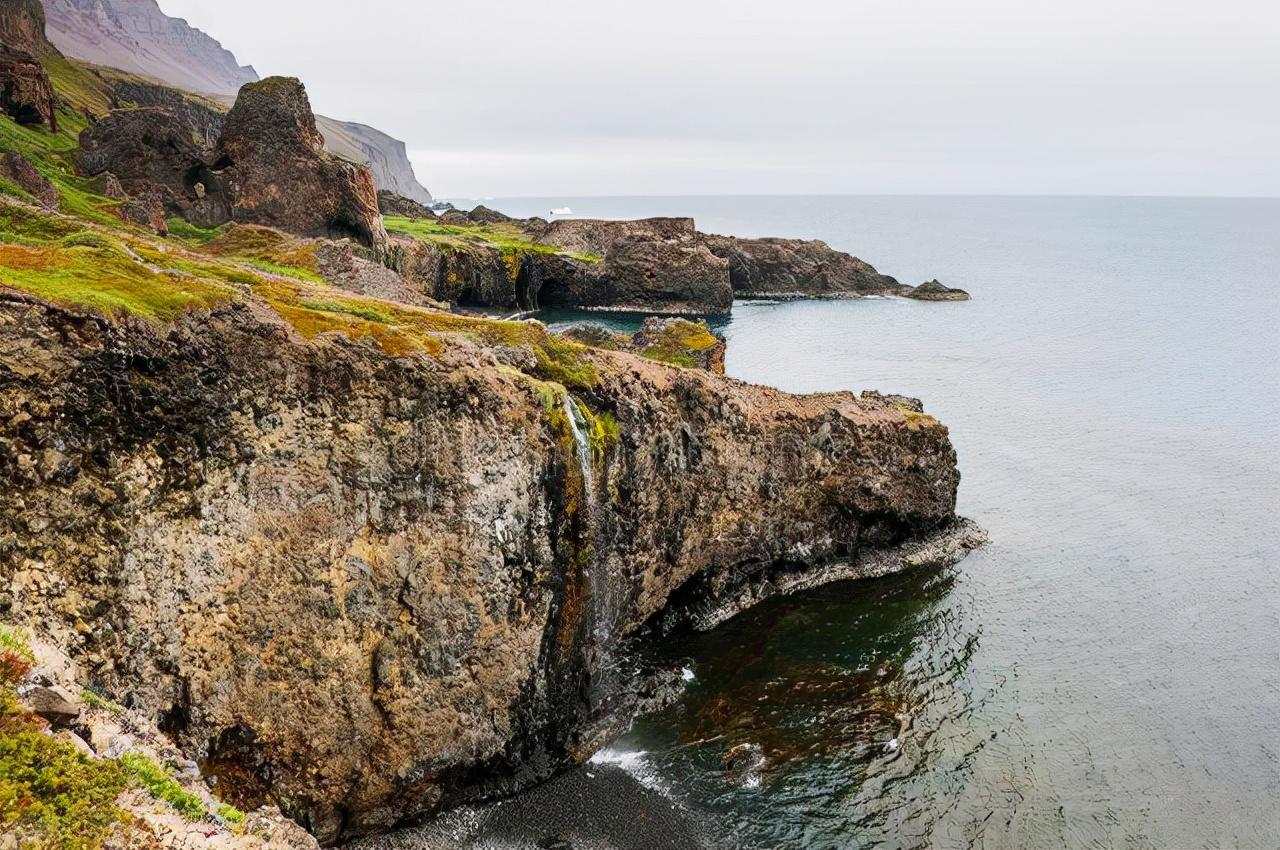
[136, 36]
[386, 157]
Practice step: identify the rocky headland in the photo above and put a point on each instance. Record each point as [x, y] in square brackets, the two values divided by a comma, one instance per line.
[316, 541]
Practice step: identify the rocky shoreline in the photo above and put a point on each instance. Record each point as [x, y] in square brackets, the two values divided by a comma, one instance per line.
[353, 553]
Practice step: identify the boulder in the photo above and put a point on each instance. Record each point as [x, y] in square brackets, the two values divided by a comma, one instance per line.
[278, 174]
[483, 215]
[797, 268]
[18, 169]
[934, 291]
[54, 703]
[147, 150]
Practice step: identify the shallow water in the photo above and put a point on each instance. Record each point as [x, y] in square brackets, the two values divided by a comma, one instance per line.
[1107, 671]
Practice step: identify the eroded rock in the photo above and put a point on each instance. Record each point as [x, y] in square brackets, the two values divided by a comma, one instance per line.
[372, 586]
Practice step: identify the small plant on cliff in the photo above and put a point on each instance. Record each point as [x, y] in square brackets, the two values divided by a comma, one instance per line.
[162, 786]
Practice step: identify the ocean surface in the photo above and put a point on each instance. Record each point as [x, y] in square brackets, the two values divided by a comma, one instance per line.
[1106, 672]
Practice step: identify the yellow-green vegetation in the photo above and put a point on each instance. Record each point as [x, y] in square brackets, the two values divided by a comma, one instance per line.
[95, 270]
[95, 700]
[53, 155]
[509, 239]
[159, 784]
[52, 796]
[915, 419]
[679, 341]
[230, 815]
[265, 249]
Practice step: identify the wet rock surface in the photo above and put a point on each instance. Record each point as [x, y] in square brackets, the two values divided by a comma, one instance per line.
[369, 587]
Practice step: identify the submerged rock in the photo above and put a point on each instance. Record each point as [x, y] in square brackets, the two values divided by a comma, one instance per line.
[373, 586]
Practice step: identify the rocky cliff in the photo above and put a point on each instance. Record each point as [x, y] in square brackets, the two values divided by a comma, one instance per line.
[367, 586]
[136, 36]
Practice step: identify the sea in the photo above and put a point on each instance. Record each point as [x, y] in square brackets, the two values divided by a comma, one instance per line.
[1105, 673]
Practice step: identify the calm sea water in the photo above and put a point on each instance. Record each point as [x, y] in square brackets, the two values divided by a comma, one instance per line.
[1106, 673]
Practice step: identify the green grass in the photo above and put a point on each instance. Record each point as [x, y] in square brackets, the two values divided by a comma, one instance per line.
[94, 700]
[106, 280]
[507, 238]
[187, 233]
[53, 155]
[159, 784]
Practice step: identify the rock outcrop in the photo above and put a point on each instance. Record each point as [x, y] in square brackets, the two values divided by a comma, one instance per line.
[19, 169]
[272, 159]
[389, 203]
[22, 27]
[204, 120]
[645, 275]
[934, 291]
[26, 95]
[369, 586]
[268, 166]
[679, 342]
[798, 268]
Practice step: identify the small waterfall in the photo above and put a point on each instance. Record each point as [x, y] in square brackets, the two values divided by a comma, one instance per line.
[602, 607]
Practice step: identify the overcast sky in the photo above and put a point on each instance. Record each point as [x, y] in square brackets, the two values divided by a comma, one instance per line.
[597, 97]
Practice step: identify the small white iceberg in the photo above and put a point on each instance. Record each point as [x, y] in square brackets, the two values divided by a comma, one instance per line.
[561, 211]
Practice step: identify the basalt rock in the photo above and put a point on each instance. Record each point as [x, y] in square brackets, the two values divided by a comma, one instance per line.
[798, 268]
[146, 149]
[646, 275]
[598, 236]
[934, 291]
[22, 28]
[278, 173]
[368, 586]
[205, 121]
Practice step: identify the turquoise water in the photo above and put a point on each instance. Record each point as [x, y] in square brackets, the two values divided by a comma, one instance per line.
[1106, 673]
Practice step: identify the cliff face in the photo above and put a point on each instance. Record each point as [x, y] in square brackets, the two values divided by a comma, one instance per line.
[386, 157]
[366, 586]
[136, 36]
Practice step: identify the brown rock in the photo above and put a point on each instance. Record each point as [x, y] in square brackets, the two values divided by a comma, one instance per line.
[279, 175]
[18, 169]
[55, 704]
[389, 203]
[797, 268]
[934, 291]
[359, 579]
[26, 95]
